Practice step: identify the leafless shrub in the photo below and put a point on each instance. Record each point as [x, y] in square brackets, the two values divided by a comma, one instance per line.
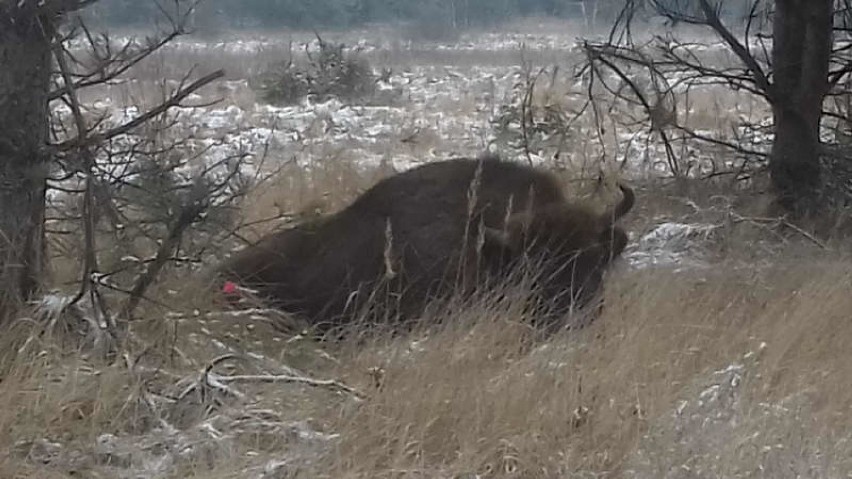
[535, 119]
[332, 72]
[645, 82]
[133, 194]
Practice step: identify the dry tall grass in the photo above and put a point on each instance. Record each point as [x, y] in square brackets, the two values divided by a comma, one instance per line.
[727, 372]
[644, 392]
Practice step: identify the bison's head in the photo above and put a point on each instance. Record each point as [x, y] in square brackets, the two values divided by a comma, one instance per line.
[566, 247]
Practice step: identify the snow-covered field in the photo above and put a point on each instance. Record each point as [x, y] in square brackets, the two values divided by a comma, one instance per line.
[443, 107]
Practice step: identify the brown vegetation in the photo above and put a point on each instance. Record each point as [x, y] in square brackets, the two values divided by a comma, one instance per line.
[681, 373]
[722, 374]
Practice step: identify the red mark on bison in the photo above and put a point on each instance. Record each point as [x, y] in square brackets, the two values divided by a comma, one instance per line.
[229, 287]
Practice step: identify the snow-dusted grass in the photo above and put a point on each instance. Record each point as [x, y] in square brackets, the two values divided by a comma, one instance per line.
[727, 372]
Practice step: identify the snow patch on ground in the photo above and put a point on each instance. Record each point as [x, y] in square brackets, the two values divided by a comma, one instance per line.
[671, 244]
[715, 408]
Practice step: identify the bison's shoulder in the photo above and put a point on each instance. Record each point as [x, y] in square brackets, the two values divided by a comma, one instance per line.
[446, 187]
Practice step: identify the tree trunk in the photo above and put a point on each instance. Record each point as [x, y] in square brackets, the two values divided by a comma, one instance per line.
[802, 36]
[25, 69]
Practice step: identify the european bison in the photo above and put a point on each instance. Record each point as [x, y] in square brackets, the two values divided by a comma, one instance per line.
[436, 229]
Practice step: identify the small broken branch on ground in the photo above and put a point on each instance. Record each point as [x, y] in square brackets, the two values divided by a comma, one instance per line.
[779, 221]
[283, 378]
[208, 379]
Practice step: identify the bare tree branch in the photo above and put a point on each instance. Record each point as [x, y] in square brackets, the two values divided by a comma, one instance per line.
[172, 102]
[740, 50]
[114, 65]
[189, 214]
[90, 259]
[596, 55]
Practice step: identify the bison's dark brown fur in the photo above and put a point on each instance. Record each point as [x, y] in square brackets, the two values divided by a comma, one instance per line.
[429, 231]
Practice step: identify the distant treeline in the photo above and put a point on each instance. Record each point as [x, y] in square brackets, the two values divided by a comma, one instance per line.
[452, 14]
[426, 17]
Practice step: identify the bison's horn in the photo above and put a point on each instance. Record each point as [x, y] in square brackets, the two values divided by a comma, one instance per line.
[625, 205]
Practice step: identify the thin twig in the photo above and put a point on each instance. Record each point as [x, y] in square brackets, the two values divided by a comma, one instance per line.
[188, 215]
[740, 50]
[172, 102]
[780, 221]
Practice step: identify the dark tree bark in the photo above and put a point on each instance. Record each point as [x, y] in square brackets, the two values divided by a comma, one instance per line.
[25, 72]
[804, 66]
[30, 55]
[802, 47]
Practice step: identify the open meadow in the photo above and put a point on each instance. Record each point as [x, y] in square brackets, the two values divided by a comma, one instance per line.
[722, 350]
